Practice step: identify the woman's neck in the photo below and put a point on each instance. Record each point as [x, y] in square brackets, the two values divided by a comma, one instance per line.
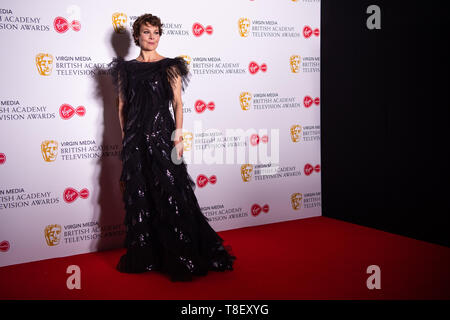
[149, 56]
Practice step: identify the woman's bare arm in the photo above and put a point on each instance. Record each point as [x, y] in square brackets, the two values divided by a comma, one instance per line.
[120, 104]
[177, 105]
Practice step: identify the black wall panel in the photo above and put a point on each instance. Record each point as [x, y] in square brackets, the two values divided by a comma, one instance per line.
[385, 117]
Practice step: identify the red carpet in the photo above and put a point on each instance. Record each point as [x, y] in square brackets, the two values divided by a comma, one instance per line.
[315, 258]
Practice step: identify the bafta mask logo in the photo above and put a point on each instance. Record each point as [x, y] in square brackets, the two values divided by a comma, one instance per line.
[187, 58]
[296, 201]
[245, 98]
[295, 63]
[296, 130]
[44, 63]
[49, 150]
[187, 140]
[244, 27]
[246, 172]
[119, 21]
[52, 234]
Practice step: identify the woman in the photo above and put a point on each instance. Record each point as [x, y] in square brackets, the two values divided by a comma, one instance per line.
[166, 230]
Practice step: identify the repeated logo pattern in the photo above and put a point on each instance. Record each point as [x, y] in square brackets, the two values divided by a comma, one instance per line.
[66, 111]
[198, 29]
[61, 25]
[70, 194]
[49, 149]
[202, 180]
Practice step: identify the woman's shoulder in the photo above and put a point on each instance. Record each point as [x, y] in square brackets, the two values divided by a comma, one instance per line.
[176, 60]
[117, 63]
[178, 64]
[168, 61]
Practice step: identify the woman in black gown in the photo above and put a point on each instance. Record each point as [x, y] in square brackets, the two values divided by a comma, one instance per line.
[166, 230]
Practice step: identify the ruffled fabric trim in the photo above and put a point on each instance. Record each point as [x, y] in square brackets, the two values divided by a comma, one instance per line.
[167, 230]
[177, 67]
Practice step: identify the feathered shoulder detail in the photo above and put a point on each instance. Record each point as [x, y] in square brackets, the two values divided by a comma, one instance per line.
[178, 68]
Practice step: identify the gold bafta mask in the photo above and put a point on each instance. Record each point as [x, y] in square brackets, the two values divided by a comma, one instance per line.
[187, 59]
[246, 172]
[295, 63]
[296, 201]
[49, 150]
[245, 98]
[52, 234]
[244, 27]
[44, 63]
[296, 130]
[187, 141]
[119, 21]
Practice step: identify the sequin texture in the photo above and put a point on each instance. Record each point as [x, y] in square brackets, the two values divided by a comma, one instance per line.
[166, 230]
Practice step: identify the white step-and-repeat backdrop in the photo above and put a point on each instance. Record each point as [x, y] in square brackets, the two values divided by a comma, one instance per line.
[251, 116]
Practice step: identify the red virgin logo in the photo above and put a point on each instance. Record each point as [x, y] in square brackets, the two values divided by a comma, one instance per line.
[203, 180]
[70, 194]
[308, 101]
[310, 169]
[4, 246]
[2, 158]
[198, 29]
[201, 106]
[308, 32]
[255, 139]
[66, 111]
[256, 209]
[61, 25]
[253, 67]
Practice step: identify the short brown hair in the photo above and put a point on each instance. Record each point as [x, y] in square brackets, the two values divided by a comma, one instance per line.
[143, 20]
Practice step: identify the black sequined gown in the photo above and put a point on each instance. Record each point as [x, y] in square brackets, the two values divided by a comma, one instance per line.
[166, 230]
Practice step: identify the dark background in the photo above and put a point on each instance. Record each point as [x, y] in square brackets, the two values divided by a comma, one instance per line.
[384, 117]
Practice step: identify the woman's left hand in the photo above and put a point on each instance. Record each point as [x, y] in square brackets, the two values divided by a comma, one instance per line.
[179, 147]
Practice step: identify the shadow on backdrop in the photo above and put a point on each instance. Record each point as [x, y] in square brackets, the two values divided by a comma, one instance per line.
[111, 212]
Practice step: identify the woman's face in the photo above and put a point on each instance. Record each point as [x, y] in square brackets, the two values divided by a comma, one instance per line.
[149, 37]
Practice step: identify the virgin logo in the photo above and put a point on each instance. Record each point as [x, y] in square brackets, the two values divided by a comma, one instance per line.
[4, 246]
[2, 158]
[66, 111]
[309, 169]
[308, 101]
[202, 180]
[201, 106]
[61, 25]
[253, 67]
[198, 29]
[70, 194]
[256, 209]
[308, 32]
[254, 139]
